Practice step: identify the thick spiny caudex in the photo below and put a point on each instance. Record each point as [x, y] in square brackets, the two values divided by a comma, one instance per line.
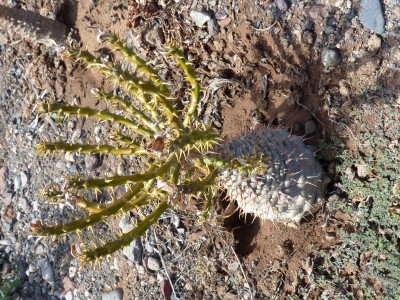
[174, 146]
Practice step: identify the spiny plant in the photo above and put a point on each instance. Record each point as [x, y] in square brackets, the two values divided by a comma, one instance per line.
[269, 172]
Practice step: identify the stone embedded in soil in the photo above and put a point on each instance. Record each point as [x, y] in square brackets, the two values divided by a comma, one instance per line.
[316, 13]
[92, 162]
[212, 27]
[281, 4]
[134, 251]
[113, 295]
[153, 264]
[371, 16]
[199, 17]
[3, 177]
[6, 199]
[17, 182]
[47, 272]
[24, 179]
[330, 57]
[310, 127]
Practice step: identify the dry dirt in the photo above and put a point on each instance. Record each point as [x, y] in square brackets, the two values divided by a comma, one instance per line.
[260, 58]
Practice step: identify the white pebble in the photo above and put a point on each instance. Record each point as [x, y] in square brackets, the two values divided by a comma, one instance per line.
[200, 18]
[69, 296]
[113, 295]
[153, 264]
[24, 179]
[17, 182]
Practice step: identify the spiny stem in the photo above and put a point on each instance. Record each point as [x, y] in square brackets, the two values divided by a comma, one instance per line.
[128, 200]
[94, 62]
[125, 239]
[134, 58]
[192, 78]
[132, 82]
[102, 115]
[86, 148]
[196, 139]
[97, 183]
[114, 99]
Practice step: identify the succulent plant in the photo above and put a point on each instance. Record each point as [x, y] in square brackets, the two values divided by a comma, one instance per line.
[268, 172]
[291, 185]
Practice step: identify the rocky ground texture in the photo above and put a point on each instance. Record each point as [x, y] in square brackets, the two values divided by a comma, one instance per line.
[302, 65]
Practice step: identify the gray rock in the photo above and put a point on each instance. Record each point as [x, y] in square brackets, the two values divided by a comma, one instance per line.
[7, 198]
[371, 16]
[113, 295]
[134, 252]
[281, 4]
[330, 57]
[23, 204]
[73, 168]
[126, 224]
[213, 27]
[310, 127]
[47, 272]
[199, 17]
[92, 162]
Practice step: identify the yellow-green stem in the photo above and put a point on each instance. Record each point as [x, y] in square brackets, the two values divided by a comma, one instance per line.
[126, 238]
[128, 200]
[85, 148]
[102, 115]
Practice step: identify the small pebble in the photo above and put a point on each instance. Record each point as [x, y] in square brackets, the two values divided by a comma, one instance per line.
[212, 27]
[92, 162]
[73, 168]
[17, 182]
[72, 272]
[5, 242]
[69, 296]
[7, 198]
[330, 57]
[134, 252]
[24, 179]
[149, 248]
[153, 264]
[281, 4]
[3, 177]
[69, 156]
[60, 165]
[113, 295]
[126, 224]
[310, 127]
[199, 17]
[76, 135]
[233, 266]
[23, 204]
[47, 272]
